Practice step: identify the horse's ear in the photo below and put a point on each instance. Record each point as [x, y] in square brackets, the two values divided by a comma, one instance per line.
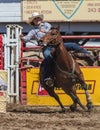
[58, 27]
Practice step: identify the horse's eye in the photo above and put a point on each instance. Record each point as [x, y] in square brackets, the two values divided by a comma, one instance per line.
[52, 34]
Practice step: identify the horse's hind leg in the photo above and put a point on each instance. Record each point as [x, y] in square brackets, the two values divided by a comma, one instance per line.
[88, 97]
[83, 85]
[54, 95]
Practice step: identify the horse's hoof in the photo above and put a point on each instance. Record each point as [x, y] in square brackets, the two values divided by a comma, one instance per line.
[73, 108]
[63, 110]
[90, 106]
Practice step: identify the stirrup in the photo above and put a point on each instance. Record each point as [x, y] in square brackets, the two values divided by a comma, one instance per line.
[49, 82]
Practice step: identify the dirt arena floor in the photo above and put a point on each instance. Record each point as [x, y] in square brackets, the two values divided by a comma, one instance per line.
[20, 117]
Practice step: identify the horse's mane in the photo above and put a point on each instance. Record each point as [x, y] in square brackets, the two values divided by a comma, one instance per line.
[53, 28]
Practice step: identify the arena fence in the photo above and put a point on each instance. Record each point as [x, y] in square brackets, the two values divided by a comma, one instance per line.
[18, 59]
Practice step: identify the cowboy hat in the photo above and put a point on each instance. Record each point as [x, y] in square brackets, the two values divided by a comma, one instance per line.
[35, 15]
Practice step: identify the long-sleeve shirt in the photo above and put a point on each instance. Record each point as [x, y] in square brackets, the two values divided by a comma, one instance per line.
[36, 32]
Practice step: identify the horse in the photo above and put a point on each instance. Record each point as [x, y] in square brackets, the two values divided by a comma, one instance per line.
[66, 72]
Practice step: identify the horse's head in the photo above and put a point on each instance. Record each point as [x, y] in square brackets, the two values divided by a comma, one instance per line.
[52, 38]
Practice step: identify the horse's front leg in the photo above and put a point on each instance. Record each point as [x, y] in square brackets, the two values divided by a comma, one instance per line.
[54, 95]
[76, 101]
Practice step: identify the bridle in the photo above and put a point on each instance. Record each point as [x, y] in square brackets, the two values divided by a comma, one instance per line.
[53, 40]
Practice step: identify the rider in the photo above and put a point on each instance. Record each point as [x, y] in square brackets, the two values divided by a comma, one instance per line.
[39, 29]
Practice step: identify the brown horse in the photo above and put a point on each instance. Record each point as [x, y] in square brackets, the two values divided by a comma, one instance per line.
[65, 72]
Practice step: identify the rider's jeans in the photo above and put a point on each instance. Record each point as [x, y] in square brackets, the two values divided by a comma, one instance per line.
[75, 47]
[47, 62]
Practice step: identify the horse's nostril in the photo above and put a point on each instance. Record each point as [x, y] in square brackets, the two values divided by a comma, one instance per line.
[40, 42]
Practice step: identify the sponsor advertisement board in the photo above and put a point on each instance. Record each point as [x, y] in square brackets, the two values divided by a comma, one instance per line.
[62, 10]
[3, 80]
[3, 90]
[36, 95]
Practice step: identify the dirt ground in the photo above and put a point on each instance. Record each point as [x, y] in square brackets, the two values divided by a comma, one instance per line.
[20, 117]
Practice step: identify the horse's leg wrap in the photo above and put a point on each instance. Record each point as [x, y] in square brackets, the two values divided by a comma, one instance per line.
[88, 97]
[89, 101]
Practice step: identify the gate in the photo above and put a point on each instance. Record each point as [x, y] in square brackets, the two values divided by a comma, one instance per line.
[12, 49]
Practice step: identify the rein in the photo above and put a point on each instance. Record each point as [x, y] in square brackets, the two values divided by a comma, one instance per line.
[65, 72]
[55, 46]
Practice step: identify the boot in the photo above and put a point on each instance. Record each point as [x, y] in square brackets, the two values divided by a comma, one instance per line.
[90, 59]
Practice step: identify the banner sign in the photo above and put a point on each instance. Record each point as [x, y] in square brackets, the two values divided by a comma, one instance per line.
[62, 10]
[3, 80]
[36, 95]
